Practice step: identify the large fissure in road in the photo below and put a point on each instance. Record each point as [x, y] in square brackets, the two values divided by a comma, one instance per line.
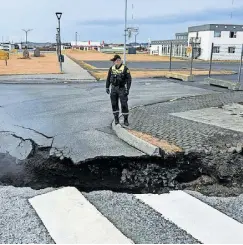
[220, 175]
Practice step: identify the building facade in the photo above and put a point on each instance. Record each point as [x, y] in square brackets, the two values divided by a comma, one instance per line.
[164, 47]
[89, 45]
[7, 46]
[225, 41]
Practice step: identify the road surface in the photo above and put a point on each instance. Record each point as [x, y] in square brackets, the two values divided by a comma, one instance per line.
[76, 119]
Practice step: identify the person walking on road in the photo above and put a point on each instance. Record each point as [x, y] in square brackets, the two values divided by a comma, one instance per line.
[119, 78]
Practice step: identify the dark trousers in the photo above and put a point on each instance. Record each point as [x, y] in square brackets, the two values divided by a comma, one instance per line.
[116, 94]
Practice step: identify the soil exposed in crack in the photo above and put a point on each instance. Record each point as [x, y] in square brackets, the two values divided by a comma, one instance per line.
[217, 175]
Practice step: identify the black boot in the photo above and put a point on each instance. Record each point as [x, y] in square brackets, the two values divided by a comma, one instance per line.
[116, 119]
[126, 123]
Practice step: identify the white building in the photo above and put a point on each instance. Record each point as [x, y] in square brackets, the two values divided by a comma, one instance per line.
[227, 42]
[6, 46]
[178, 46]
[89, 45]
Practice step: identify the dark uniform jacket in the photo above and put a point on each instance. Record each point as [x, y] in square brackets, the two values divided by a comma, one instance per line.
[119, 77]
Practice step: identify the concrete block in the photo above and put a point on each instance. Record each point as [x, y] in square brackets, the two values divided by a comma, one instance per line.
[231, 85]
[180, 76]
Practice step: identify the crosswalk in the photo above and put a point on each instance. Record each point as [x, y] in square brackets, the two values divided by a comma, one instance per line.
[70, 218]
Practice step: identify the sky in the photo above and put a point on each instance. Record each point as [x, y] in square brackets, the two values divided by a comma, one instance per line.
[99, 20]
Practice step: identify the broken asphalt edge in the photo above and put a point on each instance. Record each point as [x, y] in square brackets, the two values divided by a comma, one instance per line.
[136, 142]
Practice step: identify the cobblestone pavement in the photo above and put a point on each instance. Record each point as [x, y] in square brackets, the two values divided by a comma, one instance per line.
[190, 135]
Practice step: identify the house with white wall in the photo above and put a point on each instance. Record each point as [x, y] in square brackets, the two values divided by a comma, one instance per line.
[227, 42]
[6, 46]
[87, 45]
[226, 39]
[177, 45]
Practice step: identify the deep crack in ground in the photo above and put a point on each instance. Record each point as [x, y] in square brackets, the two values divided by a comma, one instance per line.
[218, 174]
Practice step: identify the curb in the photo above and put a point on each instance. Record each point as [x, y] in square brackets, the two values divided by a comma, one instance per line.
[136, 142]
[47, 82]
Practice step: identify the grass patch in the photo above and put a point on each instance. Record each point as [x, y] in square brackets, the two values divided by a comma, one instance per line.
[102, 75]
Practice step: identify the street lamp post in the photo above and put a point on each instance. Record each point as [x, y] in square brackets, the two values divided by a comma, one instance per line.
[59, 15]
[57, 39]
[26, 36]
[76, 38]
[136, 39]
[125, 41]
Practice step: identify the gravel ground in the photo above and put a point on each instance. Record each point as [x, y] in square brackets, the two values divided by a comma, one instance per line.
[18, 221]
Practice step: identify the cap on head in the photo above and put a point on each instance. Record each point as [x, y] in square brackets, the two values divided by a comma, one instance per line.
[116, 57]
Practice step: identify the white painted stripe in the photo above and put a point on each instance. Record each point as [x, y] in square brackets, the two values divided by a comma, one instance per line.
[71, 219]
[203, 222]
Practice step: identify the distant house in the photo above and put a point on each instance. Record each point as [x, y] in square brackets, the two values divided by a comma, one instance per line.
[7, 46]
[87, 45]
[66, 46]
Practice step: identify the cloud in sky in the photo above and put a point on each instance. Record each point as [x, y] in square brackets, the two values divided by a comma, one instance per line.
[171, 19]
[104, 19]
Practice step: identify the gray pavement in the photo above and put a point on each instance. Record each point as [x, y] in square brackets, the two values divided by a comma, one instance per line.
[175, 65]
[163, 121]
[73, 69]
[180, 65]
[78, 117]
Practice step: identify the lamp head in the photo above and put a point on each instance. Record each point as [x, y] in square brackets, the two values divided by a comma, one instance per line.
[59, 15]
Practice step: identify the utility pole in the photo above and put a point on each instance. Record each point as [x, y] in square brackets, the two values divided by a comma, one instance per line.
[26, 35]
[125, 41]
[76, 38]
[136, 38]
[57, 39]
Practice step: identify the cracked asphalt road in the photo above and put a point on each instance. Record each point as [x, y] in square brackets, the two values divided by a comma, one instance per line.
[76, 118]
[76, 121]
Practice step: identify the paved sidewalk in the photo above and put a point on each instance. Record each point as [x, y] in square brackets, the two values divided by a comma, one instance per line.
[74, 70]
[186, 123]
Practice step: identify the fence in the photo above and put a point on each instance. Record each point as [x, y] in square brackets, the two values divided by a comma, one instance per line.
[226, 62]
[180, 57]
[221, 61]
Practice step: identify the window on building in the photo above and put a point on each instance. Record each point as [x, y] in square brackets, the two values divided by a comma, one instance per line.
[217, 33]
[233, 34]
[231, 50]
[216, 49]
